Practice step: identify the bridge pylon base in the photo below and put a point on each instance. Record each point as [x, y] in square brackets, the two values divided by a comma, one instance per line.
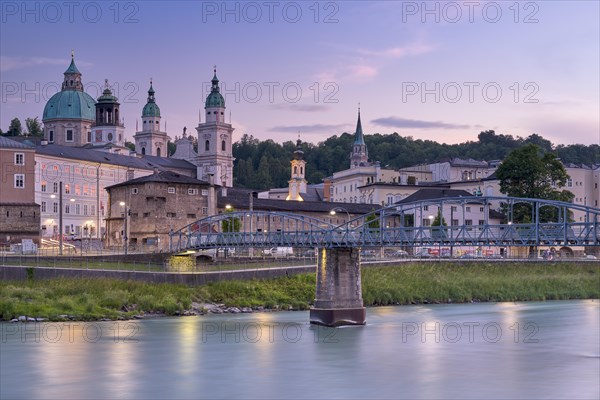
[338, 316]
[338, 297]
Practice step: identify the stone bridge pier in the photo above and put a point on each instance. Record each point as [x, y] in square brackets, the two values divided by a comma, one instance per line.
[338, 299]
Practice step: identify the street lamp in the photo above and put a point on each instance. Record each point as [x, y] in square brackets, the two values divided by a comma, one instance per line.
[122, 204]
[333, 212]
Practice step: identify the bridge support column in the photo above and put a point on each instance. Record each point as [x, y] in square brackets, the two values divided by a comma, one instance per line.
[338, 299]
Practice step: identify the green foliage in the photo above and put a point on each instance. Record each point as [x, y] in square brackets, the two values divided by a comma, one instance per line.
[439, 220]
[33, 127]
[15, 128]
[372, 221]
[531, 172]
[266, 164]
[232, 224]
[130, 145]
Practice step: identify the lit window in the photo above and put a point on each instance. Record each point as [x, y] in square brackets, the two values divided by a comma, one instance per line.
[44, 186]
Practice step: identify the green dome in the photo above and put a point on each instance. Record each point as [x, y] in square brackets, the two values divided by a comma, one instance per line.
[151, 110]
[215, 99]
[70, 104]
[107, 96]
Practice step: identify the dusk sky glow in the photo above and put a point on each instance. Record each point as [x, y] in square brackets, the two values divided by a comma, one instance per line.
[431, 70]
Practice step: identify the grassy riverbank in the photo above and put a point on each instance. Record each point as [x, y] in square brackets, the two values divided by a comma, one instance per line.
[89, 299]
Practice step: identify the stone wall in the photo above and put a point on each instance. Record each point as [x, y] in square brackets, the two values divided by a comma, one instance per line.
[19, 222]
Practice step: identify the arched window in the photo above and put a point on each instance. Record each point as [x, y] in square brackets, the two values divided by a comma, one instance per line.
[158, 151]
[143, 150]
[223, 145]
[207, 145]
[295, 170]
[301, 170]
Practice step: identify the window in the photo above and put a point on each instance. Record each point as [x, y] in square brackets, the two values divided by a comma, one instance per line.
[85, 209]
[454, 222]
[171, 215]
[191, 215]
[146, 214]
[67, 208]
[55, 207]
[223, 145]
[86, 190]
[569, 182]
[67, 189]
[204, 192]
[93, 209]
[192, 192]
[134, 190]
[468, 209]
[481, 209]
[426, 222]
[77, 209]
[468, 222]
[19, 181]
[77, 190]
[55, 187]
[453, 208]
[481, 222]
[43, 206]
[425, 208]
[89, 137]
[171, 190]
[44, 186]
[204, 210]
[69, 135]
[51, 136]
[207, 145]
[19, 159]
[143, 150]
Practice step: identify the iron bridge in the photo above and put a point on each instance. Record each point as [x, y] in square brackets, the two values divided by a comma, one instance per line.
[514, 222]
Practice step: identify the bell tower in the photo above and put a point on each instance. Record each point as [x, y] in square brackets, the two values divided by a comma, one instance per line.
[297, 183]
[151, 140]
[215, 137]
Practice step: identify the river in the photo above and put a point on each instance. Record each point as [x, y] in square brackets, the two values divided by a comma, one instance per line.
[482, 350]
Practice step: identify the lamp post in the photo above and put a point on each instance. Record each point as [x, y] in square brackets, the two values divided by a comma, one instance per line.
[228, 208]
[333, 212]
[122, 204]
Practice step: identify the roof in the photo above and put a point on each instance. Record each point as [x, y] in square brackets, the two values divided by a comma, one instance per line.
[170, 162]
[240, 199]
[215, 99]
[6, 143]
[72, 67]
[434, 194]
[151, 109]
[95, 156]
[70, 104]
[358, 135]
[162, 177]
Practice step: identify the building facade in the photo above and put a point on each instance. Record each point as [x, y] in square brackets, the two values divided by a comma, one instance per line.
[19, 213]
[143, 212]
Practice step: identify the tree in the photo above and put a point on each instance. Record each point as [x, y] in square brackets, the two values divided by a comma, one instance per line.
[15, 128]
[529, 172]
[439, 220]
[231, 224]
[33, 127]
[130, 145]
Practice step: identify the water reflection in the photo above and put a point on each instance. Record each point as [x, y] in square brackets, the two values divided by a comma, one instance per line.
[438, 351]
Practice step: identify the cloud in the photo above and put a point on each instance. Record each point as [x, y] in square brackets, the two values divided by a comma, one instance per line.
[317, 128]
[301, 107]
[395, 122]
[399, 51]
[13, 63]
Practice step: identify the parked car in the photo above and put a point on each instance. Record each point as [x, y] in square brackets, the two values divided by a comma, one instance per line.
[399, 254]
[279, 252]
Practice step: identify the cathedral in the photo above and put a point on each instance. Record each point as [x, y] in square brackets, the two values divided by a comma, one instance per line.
[73, 118]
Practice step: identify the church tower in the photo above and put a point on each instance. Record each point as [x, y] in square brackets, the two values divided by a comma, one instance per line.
[297, 184]
[151, 140]
[108, 128]
[359, 156]
[215, 137]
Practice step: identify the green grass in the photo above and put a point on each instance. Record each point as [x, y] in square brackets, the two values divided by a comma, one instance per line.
[407, 283]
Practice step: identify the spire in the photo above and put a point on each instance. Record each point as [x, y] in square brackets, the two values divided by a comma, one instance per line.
[215, 81]
[72, 67]
[358, 136]
[151, 93]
